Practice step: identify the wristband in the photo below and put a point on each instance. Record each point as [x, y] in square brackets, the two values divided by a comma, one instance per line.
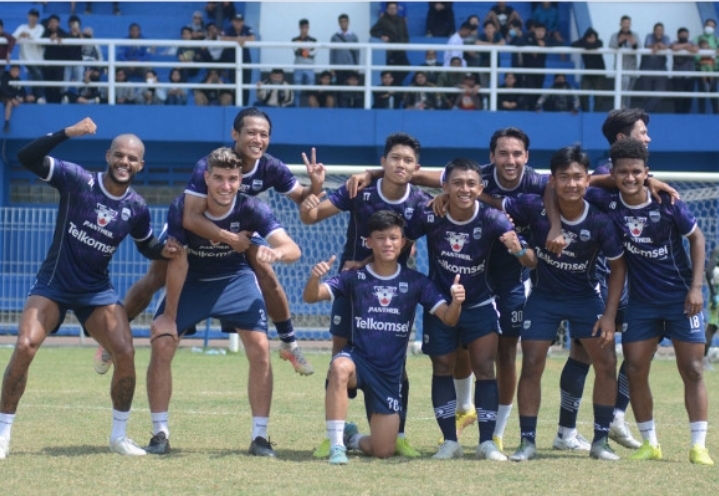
[520, 253]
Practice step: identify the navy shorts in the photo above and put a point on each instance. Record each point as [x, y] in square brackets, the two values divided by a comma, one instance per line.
[473, 324]
[382, 391]
[510, 305]
[655, 321]
[83, 304]
[543, 314]
[341, 323]
[236, 301]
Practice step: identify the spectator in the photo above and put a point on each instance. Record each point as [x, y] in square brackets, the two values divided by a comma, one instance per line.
[430, 60]
[450, 80]
[152, 95]
[510, 101]
[115, 8]
[213, 96]
[392, 28]
[274, 97]
[189, 54]
[344, 56]
[387, 97]
[595, 62]
[87, 94]
[707, 82]
[220, 12]
[197, 26]
[628, 39]
[401, 9]
[515, 35]
[5, 48]
[657, 41]
[548, 14]
[10, 95]
[564, 102]
[457, 40]
[469, 98]
[304, 58]
[175, 94]
[134, 53]
[32, 52]
[440, 19]
[55, 52]
[421, 100]
[533, 60]
[502, 15]
[324, 98]
[490, 36]
[73, 73]
[241, 33]
[683, 63]
[125, 95]
[91, 53]
[709, 35]
[351, 99]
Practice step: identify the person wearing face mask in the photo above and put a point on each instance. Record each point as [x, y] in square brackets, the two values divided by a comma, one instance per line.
[709, 34]
[430, 60]
[683, 63]
[565, 102]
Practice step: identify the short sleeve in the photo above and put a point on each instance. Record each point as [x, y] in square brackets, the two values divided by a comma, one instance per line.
[683, 218]
[340, 198]
[174, 222]
[141, 228]
[196, 186]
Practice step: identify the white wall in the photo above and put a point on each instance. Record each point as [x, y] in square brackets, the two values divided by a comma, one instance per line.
[279, 21]
[674, 15]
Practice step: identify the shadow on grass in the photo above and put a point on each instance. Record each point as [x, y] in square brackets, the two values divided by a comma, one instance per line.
[82, 450]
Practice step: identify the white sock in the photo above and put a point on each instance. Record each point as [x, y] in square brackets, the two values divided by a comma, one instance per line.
[6, 420]
[400, 435]
[119, 424]
[503, 412]
[699, 433]
[618, 416]
[259, 427]
[160, 423]
[335, 432]
[567, 432]
[648, 432]
[463, 388]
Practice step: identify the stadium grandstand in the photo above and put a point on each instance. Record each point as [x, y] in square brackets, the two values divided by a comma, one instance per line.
[684, 149]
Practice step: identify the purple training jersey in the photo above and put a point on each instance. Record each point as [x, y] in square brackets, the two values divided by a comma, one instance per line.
[91, 224]
[368, 201]
[572, 274]
[658, 266]
[383, 311]
[462, 248]
[268, 172]
[211, 260]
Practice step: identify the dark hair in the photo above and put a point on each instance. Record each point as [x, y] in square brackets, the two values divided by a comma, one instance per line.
[628, 148]
[179, 71]
[467, 25]
[382, 220]
[343, 16]
[324, 73]
[224, 158]
[564, 157]
[54, 16]
[680, 30]
[540, 25]
[625, 18]
[657, 25]
[508, 132]
[185, 28]
[455, 58]
[304, 22]
[403, 139]
[250, 112]
[486, 23]
[386, 72]
[464, 164]
[73, 18]
[2, 23]
[134, 25]
[621, 121]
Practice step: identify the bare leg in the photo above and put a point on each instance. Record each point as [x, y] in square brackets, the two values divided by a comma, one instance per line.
[159, 371]
[529, 390]
[507, 369]
[383, 436]
[689, 363]
[140, 295]
[638, 356]
[259, 380]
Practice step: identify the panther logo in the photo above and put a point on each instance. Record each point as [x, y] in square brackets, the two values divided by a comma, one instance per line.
[105, 215]
[636, 225]
[456, 240]
[384, 294]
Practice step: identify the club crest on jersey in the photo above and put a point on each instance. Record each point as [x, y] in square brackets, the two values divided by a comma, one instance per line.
[654, 216]
[384, 294]
[569, 237]
[477, 233]
[636, 225]
[126, 213]
[584, 235]
[408, 212]
[527, 324]
[336, 319]
[257, 184]
[234, 227]
[456, 240]
[105, 215]
[403, 287]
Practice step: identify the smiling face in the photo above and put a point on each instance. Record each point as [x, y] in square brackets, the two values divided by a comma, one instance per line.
[640, 133]
[400, 164]
[630, 175]
[386, 245]
[509, 156]
[463, 188]
[125, 158]
[222, 185]
[253, 138]
[571, 182]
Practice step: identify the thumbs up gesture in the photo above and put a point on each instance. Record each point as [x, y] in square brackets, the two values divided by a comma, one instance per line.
[311, 201]
[457, 290]
[323, 268]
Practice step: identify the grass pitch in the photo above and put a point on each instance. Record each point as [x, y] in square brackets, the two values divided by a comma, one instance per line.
[59, 443]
